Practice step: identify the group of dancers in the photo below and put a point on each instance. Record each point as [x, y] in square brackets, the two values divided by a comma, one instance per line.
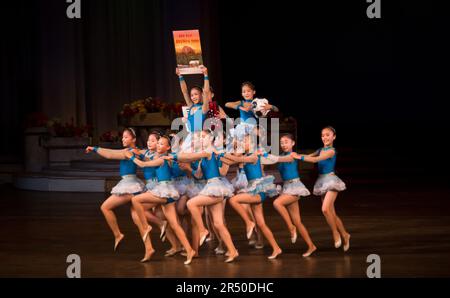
[186, 187]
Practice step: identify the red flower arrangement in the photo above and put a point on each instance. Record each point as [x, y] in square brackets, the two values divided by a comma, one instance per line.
[151, 105]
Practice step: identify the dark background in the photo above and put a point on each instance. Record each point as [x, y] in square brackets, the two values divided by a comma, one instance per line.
[380, 83]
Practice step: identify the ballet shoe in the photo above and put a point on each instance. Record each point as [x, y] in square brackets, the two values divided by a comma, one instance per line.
[118, 241]
[203, 238]
[274, 255]
[338, 243]
[189, 257]
[171, 252]
[346, 246]
[259, 245]
[219, 251]
[250, 232]
[252, 242]
[148, 256]
[146, 233]
[294, 237]
[232, 258]
[309, 252]
[163, 230]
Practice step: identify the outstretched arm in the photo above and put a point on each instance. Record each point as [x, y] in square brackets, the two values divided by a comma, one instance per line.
[244, 159]
[314, 159]
[187, 157]
[107, 153]
[272, 159]
[233, 104]
[184, 88]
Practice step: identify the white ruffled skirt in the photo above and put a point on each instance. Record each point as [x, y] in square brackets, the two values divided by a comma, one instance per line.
[261, 185]
[295, 187]
[328, 182]
[150, 184]
[165, 189]
[215, 187]
[240, 181]
[195, 187]
[181, 184]
[130, 184]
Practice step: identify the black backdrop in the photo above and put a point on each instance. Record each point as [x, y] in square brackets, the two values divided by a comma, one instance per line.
[378, 82]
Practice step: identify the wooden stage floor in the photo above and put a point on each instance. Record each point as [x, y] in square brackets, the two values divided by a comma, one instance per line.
[407, 226]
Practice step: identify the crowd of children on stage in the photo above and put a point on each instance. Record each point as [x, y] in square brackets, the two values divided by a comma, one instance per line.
[186, 187]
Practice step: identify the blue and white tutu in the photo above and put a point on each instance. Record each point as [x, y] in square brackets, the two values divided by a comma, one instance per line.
[151, 183]
[227, 184]
[328, 182]
[261, 185]
[215, 187]
[295, 187]
[243, 129]
[130, 184]
[240, 181]
[195, 187]
[165, 189]
[181, 184]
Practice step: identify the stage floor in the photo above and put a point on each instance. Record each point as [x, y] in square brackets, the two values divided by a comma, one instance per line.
[408, 227]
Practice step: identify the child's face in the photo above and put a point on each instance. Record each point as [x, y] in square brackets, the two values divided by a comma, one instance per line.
[163, 146]
[286, 144]
[247, 92]
[152, 142]
[128, 140]
[328, 137]
[196, 96]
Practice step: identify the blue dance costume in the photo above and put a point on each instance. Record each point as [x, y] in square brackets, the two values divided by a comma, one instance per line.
[257, 184]
[194, 124]
[248, 121]
[129, 184]
[180, 178]
[328, 181]
[291, 178]
[214, 185]
[165, 187]
[149, 172]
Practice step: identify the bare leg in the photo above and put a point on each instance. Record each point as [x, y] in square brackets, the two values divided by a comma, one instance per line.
[341, 228]
[149, 251]
[294, 211]
[194, 206]
[280, 205]
[107, 209]
[327, 211]
[259, 216]
[138, 202]
[216, 212]
[236, 202]
[171, 215]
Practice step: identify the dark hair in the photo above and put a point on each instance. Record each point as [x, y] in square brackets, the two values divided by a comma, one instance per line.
[249, 85]
[288, 135]
[330, 128]
[168, 138]
[131, 131]
[198, 88]
[156, 133]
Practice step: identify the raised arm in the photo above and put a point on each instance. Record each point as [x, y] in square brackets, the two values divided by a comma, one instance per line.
[206, 90]
[184, 88]
[107, 153]
[314, 159]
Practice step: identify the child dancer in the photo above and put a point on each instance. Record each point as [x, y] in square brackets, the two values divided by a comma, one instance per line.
[197, 99]
[328, 184]
[254, 194]
[212, 196]
[127, 187]
[287, 204]
[245, 107]
[165, 194]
